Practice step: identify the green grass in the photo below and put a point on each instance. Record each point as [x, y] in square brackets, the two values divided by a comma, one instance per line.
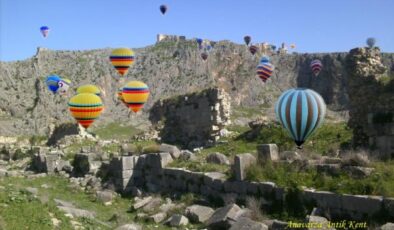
[380, 182]
[116, 131]
[23, 211]
[329, 137]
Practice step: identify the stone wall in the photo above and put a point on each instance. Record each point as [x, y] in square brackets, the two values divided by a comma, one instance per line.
[150, 171]
[174, 38]
[192, 120]
[371, 101]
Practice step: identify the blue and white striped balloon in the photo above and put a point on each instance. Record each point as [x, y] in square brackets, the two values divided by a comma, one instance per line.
[300, 111]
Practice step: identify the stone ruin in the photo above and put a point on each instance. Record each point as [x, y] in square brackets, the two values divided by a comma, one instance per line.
[192, 120]
[174, 38]
[371, 102]
[66, 132]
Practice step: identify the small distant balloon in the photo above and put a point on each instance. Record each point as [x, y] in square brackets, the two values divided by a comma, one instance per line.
[316, 67]
[52, 82]
[264, 70]
[264, 59]
[253, 49]
[44, 31]
[199, 42]
[135, 94]
[371, 42]
[204, 56]
[247, 39]
[292, 46]
[163, 9]
[122, 59]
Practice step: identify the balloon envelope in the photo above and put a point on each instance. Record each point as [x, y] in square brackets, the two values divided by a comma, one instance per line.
[122, 59]
[264, 70]
[89, 89]
[44, 31]
[253, 49]
[316, 66]
[52, 82]
[85, 108]
[247, 39]
[163, 9]
[204, 56]
[264, 59]
[300, 111]
[135, 94]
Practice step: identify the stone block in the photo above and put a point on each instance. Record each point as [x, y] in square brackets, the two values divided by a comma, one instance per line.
[241, 163]
[267, 152]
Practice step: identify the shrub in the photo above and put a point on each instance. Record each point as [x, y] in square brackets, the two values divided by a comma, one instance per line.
[255, 205]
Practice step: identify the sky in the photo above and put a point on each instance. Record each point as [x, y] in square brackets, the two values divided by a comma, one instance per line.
[313, 25]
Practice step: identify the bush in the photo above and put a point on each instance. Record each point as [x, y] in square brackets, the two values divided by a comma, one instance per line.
[255, 205]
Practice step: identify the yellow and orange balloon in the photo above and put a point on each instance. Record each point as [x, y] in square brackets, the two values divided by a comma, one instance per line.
[85, 108]
[89, 89]
[135, 94]
[122, 59]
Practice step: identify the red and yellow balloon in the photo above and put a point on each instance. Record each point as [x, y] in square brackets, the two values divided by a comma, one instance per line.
[85, 108]
[135, 94]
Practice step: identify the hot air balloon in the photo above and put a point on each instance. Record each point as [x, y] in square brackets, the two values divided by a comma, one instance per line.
[52, 82]
[371, 42]
[44, 31]
[247, 40]
[89, 89]
[64, 84]
[204, 56]
[163, 9]
[122, 59]
[199, 42]
[85, 108]
[264, 59]
[292, 46]
[120, 96]
[253, 49]
[300, 111]
[135, 94]
[316, 66]
[264, 70]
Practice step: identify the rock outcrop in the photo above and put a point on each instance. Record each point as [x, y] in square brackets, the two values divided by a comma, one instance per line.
[169, 68]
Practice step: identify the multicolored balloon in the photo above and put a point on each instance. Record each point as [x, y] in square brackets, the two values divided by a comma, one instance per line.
[52, 82]
[64, 84]
[44, 31]
[89, 89]
[316, 66]
[264, 70]
[204, 56]
[300, 111]
[253, 49]
[247, 39]
[135, 94]
[371, 42]
[122, 59]
[85, 108]
[163, 9]
[264, 59]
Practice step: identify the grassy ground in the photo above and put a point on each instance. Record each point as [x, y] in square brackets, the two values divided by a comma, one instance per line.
[380, 182]
[328, 138]
[20, 210]
[116, 131]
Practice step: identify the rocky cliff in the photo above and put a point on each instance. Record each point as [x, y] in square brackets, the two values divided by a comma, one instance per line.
[169, 68]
